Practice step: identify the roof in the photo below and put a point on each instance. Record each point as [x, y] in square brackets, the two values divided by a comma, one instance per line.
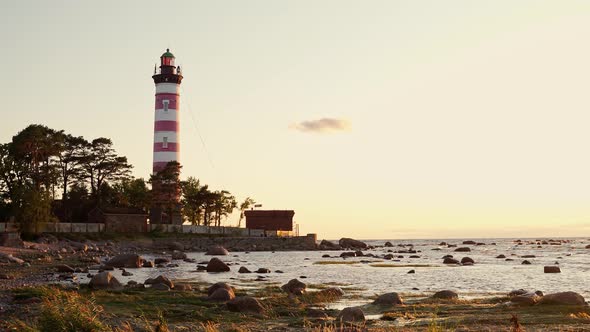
[121, 210]
[167, 54]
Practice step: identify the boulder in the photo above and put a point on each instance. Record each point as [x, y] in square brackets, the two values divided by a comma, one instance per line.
[105, 280]
[517, 292]
[222, 295]
[183, 287]
[389, 299]
[176, 246]
[525, 299]
[178, 255]
[244, 269]
[469, 242]
[412, 272]
[216, 265]
[466, 260]
[588, 246]
[551, 269]
[501, 256]
[65, 268]
[351, 314]
[217, 251]
[263, 270]
[563, 298]
[388, 244]
[327, 245]
[450, 261]
[126, 274]
[245, 304]
[445, 294]
[351, 243]
[126, 260]
[525, 262]
[294, 286]
[160, 280]
[160, 287]
[348, 254]
[148, 264]
[217, 286]
[463, 249]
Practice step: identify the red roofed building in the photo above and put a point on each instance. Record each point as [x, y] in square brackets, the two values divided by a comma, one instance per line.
[270, 220]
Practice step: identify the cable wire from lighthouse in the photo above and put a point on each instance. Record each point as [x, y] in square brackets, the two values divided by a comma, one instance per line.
[190, 110]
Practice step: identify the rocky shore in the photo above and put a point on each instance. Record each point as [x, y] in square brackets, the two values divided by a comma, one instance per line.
[44, 274]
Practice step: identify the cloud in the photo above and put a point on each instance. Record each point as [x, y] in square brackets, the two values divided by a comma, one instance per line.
[324, 125]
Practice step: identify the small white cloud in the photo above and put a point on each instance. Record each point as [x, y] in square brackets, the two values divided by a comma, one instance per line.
[324, 125]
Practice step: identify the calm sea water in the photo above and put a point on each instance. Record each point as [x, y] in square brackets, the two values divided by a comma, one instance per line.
[488, 277]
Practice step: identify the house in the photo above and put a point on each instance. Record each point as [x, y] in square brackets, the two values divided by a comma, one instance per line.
[270, 220]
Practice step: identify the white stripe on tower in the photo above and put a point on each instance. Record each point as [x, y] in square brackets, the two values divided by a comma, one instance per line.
[166, 143]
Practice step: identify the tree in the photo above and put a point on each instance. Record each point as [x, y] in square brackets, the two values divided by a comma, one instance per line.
[246, 204]
[69, 158]
[132, 193]
[99, 164]
[223, 205]
[193, 199]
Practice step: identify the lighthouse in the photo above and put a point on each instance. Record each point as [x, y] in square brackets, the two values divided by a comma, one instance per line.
[165, 185]
[166, 120]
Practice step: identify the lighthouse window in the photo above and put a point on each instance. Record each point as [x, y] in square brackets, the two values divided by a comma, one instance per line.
[166, 103]
[165, 143]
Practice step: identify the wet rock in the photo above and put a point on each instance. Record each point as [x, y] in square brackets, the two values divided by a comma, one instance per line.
[388, 256]
[160, 280]
[389, 299]
[65, 268]
[467, 260]
[501, 256]
[244, 269]
[126, 260]
[176, 246]
[469, 242]
[160, 287]
[325, 256]
[359, 253]
[348, 254]
[528, 256]
[563, 298]
[216, 265]
[217, 251]
[351, 314]
[411, 271]
[525, 299]
[222, 295]
[279, 271]
[219, 285]
[351, 243]
[126, 274]
[388, 244]
[517, 292]
[148, 264]
[105, 280]
[525, 262]
[445, 294]
[463, 249]
[263, 270]
[245, 304]
[327, 245]
[294, 287]
[551, 269]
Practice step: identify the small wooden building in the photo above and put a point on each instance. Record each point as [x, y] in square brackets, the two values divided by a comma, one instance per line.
[270, 220]
[122, 220]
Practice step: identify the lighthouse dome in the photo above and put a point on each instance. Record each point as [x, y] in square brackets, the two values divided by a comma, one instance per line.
[167, 54]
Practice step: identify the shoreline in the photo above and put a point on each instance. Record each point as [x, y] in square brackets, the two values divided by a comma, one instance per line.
[284, 311]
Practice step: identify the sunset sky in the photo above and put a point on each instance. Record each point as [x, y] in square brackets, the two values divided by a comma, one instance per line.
[371, 119]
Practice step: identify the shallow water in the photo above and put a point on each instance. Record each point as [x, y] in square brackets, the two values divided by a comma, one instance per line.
[488, 277]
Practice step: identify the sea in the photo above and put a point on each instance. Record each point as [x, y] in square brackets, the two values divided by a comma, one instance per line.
[369, 276]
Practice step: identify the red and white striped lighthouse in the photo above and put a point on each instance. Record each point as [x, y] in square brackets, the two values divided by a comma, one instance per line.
[166, 124]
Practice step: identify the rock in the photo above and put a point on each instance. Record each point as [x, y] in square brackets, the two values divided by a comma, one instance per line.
[279, 271]
[466, 260]
[217, 251]
[222, 295]
[294, 286]
[105, 280]
[469, 242]
[325, 256]
[388, 244]
[450, 261]
[525, 262]
[178, 255]
[245, 304]
[65, 268]
[563, 298]
[148, 264]
[551, 269]
[463, 249]
[126, 274]
[160, 287]
[183, 287]
[351, 243]
[411, 271]
[525, 299]
[176, 246]
[244, 269]
[445, 294]
[332, 292]
[315, 313]
[161, 260]
[359, 253]
[528, 256]
[160, 280]
[517, 292]
[126, 260]
[389, 299]
[348, 254]
[588, 246]
[217, 286]
[351, 314]
[216, 265]
[263, 270]
[327, 245]
[501, 256]
[8, 258]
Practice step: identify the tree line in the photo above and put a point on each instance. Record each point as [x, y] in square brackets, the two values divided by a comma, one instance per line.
[48, 175]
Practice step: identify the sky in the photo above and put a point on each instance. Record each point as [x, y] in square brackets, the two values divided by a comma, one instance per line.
[371, 119]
